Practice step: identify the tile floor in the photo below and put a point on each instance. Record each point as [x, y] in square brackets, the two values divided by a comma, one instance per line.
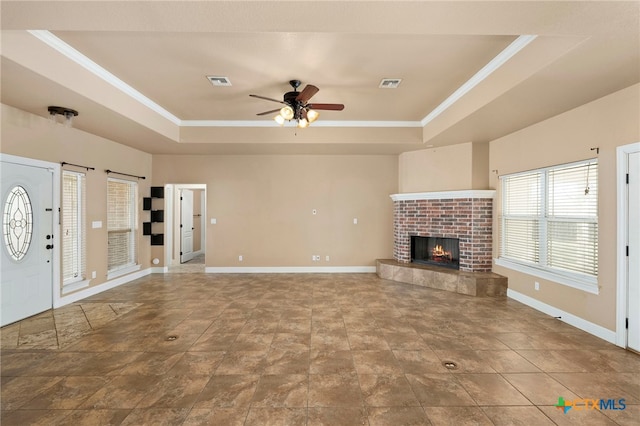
[306, 349]
[193, 266]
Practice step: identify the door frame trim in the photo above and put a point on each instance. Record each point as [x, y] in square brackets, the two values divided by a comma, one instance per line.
[622, 154]
[172, 203]
[55, 225]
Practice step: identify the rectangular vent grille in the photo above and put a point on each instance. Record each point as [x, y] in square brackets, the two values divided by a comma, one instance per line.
[390, 83]
[219, 81]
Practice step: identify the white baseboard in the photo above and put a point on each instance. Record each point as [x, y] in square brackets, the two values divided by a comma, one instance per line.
[159, 270]
[582, 324]
[91, 291]
[290, 269]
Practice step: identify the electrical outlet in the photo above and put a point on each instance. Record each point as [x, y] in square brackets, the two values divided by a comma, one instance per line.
[355, 220]
[326, 258]
[536, 285]
[93, 274]
[240, 258]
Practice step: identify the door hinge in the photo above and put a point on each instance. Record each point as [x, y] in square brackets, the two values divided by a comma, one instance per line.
[627, 178]
[180, 225]
[627, 251]
[180, 253]
[626, 323]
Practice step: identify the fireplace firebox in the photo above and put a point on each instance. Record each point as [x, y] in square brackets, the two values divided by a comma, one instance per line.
[436, 251]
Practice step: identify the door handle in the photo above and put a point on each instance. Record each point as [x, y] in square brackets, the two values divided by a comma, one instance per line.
[49, 246]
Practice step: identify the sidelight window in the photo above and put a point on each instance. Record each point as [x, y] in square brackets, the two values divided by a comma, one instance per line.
[73, 227]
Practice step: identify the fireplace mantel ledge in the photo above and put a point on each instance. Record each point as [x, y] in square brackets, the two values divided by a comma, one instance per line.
[444, 195]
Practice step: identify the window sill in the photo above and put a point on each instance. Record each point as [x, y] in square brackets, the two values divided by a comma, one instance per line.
[74, 286]
[584, 283]
[122, 271]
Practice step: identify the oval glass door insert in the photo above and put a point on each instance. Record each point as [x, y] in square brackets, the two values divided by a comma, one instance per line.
[17, 223]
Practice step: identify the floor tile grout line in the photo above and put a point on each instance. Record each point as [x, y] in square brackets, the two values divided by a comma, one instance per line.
[473, 349]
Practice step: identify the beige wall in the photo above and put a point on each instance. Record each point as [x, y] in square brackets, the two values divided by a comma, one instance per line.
[605, 123]
[479, 166]
[448, 168]
[30, 136]
[263, 207]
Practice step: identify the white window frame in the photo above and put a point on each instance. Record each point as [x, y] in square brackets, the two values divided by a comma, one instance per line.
[132, 265]
[581, 281]
[79, 281]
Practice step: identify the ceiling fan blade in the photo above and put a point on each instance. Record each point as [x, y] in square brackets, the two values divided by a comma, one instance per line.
[306, 94]
[269, 112]
[267, 99]
[327, 107]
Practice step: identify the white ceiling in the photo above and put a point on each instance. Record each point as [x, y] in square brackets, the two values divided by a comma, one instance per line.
[159, 53]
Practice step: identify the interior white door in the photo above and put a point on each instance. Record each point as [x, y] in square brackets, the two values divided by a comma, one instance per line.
[27, 243]
[186, 225]
[633, 298]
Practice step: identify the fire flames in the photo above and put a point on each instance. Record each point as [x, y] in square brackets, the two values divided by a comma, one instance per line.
[438, 253]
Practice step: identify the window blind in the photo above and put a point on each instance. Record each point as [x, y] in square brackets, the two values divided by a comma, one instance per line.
[572, 231]
[73, 227]
[521, 221]
[550, 218]
[121, 223]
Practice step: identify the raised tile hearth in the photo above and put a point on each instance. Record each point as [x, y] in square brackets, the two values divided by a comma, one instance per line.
[480, 284]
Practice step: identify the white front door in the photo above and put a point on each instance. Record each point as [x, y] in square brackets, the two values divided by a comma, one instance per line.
[633, 297]
[186, 225]
[28, 241]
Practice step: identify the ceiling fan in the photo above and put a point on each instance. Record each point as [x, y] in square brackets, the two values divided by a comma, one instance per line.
[297, 106]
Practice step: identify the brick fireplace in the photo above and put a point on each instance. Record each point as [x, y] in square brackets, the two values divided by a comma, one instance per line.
[465, 215]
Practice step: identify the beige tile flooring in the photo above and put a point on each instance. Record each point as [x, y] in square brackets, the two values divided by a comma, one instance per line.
[305, 349]
[193, 266]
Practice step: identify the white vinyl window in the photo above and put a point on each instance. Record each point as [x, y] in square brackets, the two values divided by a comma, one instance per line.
[549, 223]
[73, 227]
[122, 219]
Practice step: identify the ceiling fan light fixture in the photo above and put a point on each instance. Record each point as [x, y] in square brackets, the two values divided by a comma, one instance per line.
[286, 112]
[297, 106]
[279, 119]
[312, 115]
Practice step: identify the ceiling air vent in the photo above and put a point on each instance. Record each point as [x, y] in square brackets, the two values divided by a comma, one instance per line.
[390, 83]
[219, 81]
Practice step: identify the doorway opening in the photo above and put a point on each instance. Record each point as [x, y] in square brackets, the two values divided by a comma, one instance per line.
[185, 248]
